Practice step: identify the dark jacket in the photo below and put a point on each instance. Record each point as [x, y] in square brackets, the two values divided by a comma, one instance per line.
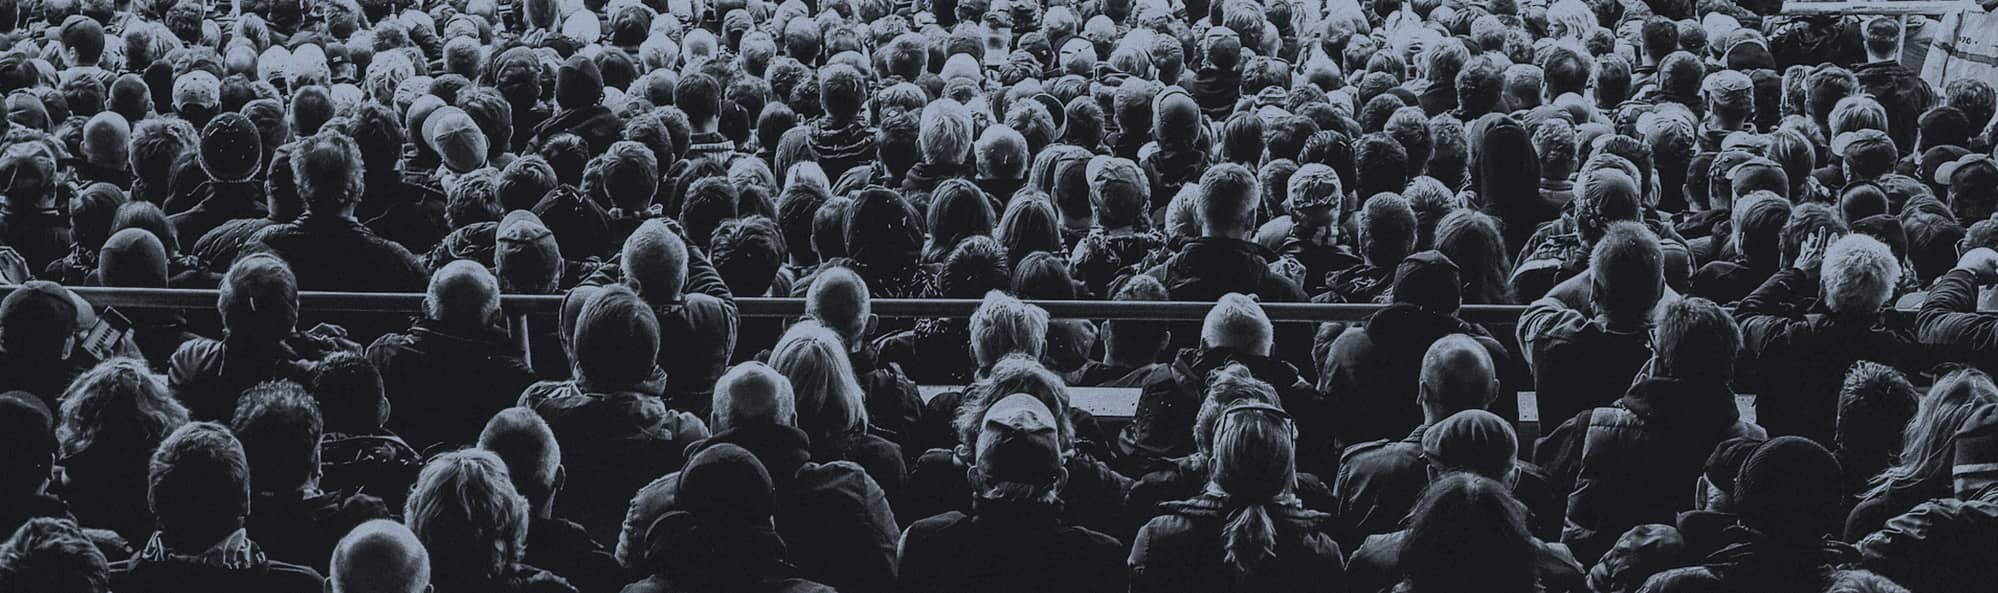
[1950, 324]
[1874, 510]
[562, 547]
[1007, 550]
[444, 386]
[378, 464]
[1162, 427]
[1636, 462]
[1727, 281]
[1801, 353]
[1376, 566]
[208, 376]
[220, 246]
[894, 406]
[1186, 550]
[406, 209]
[840, 146]
[1379, 482]
[775, 584]
[40, 375]
[835, 521]
[696, 332]
[1093, 497]
[220, 202]
[105, 486]
[1903, 93]
[40, 235]
[1209, 267]
[1943, 546]
[336, 253]
[595, 124]
[1758, 568]
[518, 578]
[302, 528]
[1187, 478]
[613, 442]
[1216, 90]
[880, 457]
[1578, 362]
[1371, 372]
[235, 565]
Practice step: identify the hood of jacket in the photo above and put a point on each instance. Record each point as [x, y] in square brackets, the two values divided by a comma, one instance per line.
[1402, 327]
[1683, 403]
[1218, 262]
[782, 449]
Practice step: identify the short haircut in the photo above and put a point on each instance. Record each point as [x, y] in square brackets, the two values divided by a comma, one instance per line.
[1759, 219]
[1132, 337]
[1237, 321]
[1660, 37]
[1628, 269]
[379, 556]
[1457, 374]
[198, 478]
[462, 291]
[524, 442]
[1382, 164]
[747, 253]
[1388, 229]
[616, 340]
[655, 262]
[1228, 198]
[977, 265]
[1004, 325]
[1859, 274]
[1805, 219]
[944, 134]
[52, 555]
[752, 393]
[1695, 338]
[279, 426]
[469, 517]
[350, 394]
[699, 96]
[1554, 143]
[829, 228]
[329, 171]
[839, 299]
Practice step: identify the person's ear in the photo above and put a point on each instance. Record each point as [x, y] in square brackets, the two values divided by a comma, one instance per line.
[561, 480]
[873, 322]
[1431, 470]
[1061, 479]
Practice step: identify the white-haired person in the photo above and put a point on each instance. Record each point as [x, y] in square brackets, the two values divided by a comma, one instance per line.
[1094, 496]
[466, 512]
[834, 520]
[1802, 352]
[454, 367]
[379, 556]
[832, 408]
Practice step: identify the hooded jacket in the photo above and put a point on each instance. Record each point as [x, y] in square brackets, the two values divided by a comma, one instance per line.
[1185, 551]
[1939, 547]
[1635, 462]
[1004, 549]
[338, 253]
[1372, 371]
[613, 442]
[444, 385]
[1758, 567]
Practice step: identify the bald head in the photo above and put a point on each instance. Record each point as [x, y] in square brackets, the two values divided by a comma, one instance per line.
[379, 556]
[462, 294]
[838, 299]
[1457, 375]
[753, 393]
[655, 262]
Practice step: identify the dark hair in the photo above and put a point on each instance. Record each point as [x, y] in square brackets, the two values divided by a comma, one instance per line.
[796, 208]
[829, 228]
[1242, 139]
[699, 96]
[747, 252]
[616, 338]
[710, 200]
[350, 394]
[1628, 267]
[1468, 534]
[148, 217]
[1043, 276]
[1381, 163]
[1932, 241]
[279, 426]
[977, 266]
[1660, 35]
[1472, 240]
[958, 209]
[198, 481]
[52, 555]
[569, 155]
[1805, 219]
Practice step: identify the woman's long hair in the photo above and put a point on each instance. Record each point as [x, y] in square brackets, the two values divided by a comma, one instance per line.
[958, 209]
[1254, 468]
[1508, 173]
[1931, 435]
[1468, 535]
[466, 512]
[829, 400]
[120, 403]
[1472, 240]
[1029, 226]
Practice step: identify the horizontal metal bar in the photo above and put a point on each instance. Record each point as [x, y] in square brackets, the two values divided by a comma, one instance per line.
[1922, 7]
[145, 298]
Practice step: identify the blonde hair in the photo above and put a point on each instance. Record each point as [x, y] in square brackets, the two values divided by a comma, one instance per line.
[469, 517]
[122, 399]
[1859, 274]
[1254, 464]
[1005, 325]
[1931, 435]
[828, 398]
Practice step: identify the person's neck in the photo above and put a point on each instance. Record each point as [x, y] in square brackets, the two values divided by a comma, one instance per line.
[1874, 58]
[801, 260]
[708, 126]
[1114, 358]
[197, 541]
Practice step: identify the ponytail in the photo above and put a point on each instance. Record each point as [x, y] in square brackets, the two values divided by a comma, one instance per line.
[1249, 538]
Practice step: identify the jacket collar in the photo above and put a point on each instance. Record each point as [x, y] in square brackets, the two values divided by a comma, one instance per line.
[1679, 401]
[782, 449]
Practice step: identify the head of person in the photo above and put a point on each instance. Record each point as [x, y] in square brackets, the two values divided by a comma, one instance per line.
[748, 253]
[1029, 225]
[258, 301]
[1429, 281]
[1859, 274]
[53, 555]
[279, 426]
[462, 295]
[1468, 533]
[1472, 241]
[814, 360]
[655, 262]
[838, 300]
[1457, 374]
[958, 209]
[1973, 186]
[28, 430]
[1759, 219]
[752, 394]
[1254, 463]
[349, 391]
[1875, 405]
[1471, 441]
[198, 486]
[120, 405]
[1004, 325]
[1388, 229]
[881, 229]
[329, 172]
[1237, 323]
[1930, 438]
[1382, 164]
[38, 321]
[1788, 492]
[1017, 454]
[616, 339]
[1131, 341]
[465, 511]
[1627, 273]
[533, 459]
[379, 556]
[1554, 144]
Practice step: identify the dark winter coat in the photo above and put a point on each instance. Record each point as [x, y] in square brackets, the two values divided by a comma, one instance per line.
[444, 385]
[1185, 551]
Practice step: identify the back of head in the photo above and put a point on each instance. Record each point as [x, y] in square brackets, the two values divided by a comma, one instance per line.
[329, 172]
[468, 515]
[379, 556]
[279, 426]
[1628, 272]
[54, 556]
[198, 484]
[1859, 275]
[655, 262]
[1388, 229]
[1467, 533]
[828, 398]
[1131, 337]
[1430, 281]
[258, 300]
[753, 394]
[1237, 322]
[1254, 462]
[27, 433]
[1228, 200]
[36, 320]
[1875, 406]
[1788, 491]
[838, 298]
[462, 294]
[616, 339]
[1473, 441]
[1695, 339]
[133, 258]
[349, 391]
[1017, 451]
[1005, 325]
[1457, 374]
[523, 441]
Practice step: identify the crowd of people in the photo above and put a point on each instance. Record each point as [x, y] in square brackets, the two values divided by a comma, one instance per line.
[1689, 200]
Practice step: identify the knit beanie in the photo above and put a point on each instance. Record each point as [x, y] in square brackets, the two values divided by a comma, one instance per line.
[455, 137]
[1428, 280]
[230, 148]
[579, 83]
[133, 258]
[1473, 440]
[1789, 490]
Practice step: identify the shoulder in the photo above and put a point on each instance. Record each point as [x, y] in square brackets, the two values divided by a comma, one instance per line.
[1679, 580]
[282, 577]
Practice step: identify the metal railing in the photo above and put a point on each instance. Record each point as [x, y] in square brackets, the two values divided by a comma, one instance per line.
[147, 298]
